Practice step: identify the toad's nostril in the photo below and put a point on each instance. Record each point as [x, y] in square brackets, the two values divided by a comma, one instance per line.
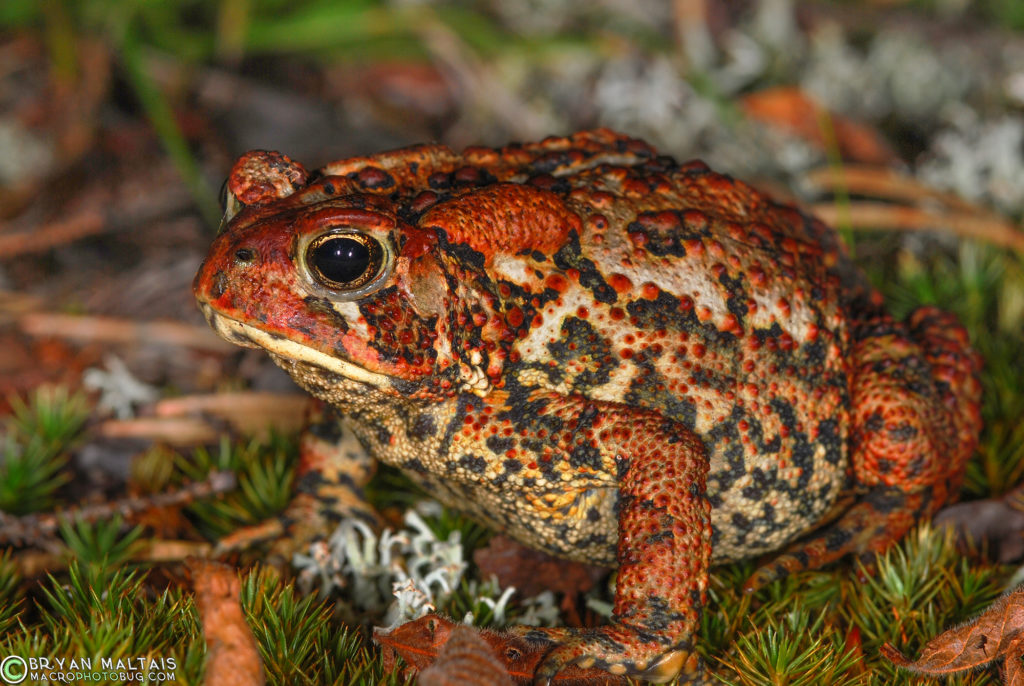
[245, 256]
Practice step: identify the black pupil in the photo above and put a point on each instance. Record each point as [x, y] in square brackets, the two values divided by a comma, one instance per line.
[341, 259]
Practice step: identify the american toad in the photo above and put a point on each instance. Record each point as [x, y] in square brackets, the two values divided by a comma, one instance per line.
[610, 356]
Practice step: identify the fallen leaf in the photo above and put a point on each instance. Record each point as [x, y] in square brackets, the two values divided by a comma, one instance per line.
[1013, 669]
[532, 571]
[466, 659]
[421, 641]
[26, 364]
[232, 658]
[418, 642]
[996, 523]
[795, 111]
[993, 635]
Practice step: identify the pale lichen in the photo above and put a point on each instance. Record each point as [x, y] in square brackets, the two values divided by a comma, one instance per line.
[403, 575]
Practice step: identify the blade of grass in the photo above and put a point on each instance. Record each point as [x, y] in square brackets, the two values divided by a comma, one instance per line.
[159, 113]
[60, 40]
[326, 26]
[233, 17]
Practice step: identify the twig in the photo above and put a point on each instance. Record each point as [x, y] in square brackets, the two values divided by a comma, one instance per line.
[16, 304]
[246, 411]
[47, 236]
[178, 431]
[882, 216]
[883, 182]
[38, 527]
[113, 330]
[32, 563]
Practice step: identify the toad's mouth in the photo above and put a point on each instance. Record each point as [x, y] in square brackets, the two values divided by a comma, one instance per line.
[249, 336]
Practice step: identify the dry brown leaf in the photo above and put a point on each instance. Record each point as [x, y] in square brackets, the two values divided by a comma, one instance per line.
[465, 660]
[994, 525]
[232, 658]
[995, 634]
[419, 643]
[531, 572]
[792, 109]
[1013, 669]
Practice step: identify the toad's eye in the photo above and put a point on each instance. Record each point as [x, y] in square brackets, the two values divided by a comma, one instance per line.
[344, 261]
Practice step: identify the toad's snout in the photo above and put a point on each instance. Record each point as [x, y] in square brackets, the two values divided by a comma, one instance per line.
[228, 329]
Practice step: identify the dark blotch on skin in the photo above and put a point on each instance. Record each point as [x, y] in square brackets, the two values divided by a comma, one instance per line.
[570, 256]
[220, 284]
[498, 444]
[473, 463]
[327, 430]
[424, 426]
[373, 178]
[322, 306]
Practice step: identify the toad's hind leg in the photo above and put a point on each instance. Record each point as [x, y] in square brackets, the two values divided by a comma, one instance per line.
[914, 421]
[333, 470]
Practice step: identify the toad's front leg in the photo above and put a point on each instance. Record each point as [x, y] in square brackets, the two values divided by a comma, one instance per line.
[664, 545]
[332, 473]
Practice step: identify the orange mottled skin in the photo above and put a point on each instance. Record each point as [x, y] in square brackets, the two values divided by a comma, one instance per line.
[611, 356]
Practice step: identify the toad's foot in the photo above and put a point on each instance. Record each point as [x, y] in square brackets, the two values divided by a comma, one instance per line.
[617, 649]
[878, 521]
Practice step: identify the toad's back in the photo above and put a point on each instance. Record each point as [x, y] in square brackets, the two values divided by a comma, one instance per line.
[692, 295]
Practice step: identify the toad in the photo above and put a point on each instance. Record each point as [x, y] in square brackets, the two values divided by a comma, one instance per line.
[608, 355]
